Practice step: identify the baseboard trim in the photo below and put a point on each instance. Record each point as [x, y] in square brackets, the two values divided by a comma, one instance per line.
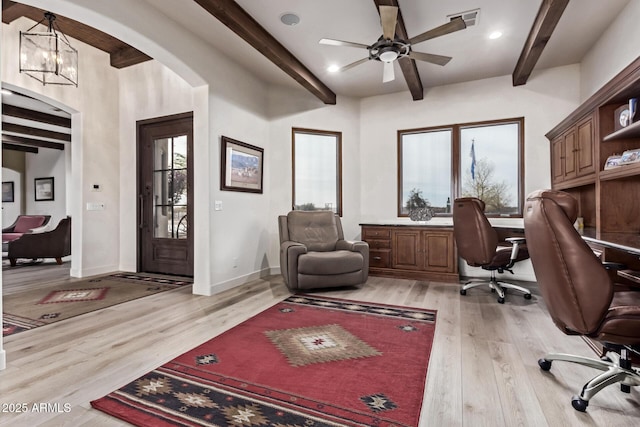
[240, 280]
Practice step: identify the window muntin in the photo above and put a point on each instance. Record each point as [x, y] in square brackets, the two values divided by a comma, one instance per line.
[498, 169]
[317, 175]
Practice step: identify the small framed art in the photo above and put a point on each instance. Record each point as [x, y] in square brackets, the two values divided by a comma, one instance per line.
[7, 191]
[44, 189]
[241, 166]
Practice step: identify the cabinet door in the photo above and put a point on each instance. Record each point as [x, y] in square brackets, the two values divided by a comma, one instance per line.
[557, 159]
[406, 249]
[438, 251]
[585, 163]
[569, 154]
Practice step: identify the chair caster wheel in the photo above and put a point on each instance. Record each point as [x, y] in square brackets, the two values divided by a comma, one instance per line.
[493, 291]
[463, 292]
[579, 404]
[501, 300]
[544, 364]
[527, 296]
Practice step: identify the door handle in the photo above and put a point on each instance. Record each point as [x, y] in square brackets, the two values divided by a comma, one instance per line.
[141, 211]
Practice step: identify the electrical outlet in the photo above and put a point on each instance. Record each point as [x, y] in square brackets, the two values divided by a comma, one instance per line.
[217, 205]
[235, 263]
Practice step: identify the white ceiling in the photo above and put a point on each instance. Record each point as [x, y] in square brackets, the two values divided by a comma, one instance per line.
[474, 55]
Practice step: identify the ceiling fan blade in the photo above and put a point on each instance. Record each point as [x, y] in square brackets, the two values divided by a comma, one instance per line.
[342, 43]
[353, 64]
[388, 73]
[456, 24]
[429, 57]
[388, 19]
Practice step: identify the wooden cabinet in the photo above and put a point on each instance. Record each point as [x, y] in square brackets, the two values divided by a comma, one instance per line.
[607, 199]
[414, 252]
[572, 152]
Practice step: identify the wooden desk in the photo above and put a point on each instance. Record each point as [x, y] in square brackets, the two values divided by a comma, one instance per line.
[623, 248]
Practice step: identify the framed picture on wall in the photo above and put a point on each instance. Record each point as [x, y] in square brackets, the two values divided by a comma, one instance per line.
[241, 166]
[44, 189]
[7, 191]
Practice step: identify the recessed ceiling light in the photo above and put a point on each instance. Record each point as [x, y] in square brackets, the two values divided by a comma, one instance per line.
[495, 35]
[290, 19]
[333, 68]
[6, 92]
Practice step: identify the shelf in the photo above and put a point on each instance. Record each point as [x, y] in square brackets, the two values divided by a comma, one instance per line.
[624, 171]
[632, 275]
[631, 131]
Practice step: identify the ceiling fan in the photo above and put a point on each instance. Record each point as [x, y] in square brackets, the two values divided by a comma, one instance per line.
[390, 48]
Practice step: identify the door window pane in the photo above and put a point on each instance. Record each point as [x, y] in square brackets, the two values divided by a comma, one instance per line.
[316, 170]
[170, 187]
[426, 170]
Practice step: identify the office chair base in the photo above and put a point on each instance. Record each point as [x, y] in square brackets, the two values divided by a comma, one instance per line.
[496, 286]
[612, 373]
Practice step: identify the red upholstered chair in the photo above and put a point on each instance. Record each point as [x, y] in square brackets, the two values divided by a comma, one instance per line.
[24, 224]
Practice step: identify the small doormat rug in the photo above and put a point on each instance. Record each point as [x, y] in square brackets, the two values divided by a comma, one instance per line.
[35, 308]
[307, 361]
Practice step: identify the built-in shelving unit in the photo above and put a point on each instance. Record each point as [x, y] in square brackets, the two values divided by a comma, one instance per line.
[609, 200]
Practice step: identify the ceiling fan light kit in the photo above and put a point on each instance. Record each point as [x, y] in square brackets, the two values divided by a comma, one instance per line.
[389, 48]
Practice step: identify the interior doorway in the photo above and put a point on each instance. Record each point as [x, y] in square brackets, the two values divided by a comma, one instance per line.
[165, 205]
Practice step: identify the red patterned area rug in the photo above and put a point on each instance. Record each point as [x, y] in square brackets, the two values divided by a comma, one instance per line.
[39, 307]
[307, 361]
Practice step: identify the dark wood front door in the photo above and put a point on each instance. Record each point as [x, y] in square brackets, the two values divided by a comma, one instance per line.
[165, 200]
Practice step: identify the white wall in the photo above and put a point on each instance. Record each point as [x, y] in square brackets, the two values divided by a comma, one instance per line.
[616, 49]
[47, 163]
[146, 91]
[11, 210]
[343, 117]
[94, 107]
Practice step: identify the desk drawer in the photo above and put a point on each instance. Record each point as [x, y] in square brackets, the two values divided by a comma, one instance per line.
[380, 258]
[375, 233]
[379, 244]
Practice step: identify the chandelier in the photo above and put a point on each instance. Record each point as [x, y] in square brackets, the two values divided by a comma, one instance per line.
[48, 56]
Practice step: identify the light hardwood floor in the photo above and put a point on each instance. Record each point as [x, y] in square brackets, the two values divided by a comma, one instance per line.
[483, 369]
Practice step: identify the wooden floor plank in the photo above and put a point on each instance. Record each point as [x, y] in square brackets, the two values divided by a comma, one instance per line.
[483, 368]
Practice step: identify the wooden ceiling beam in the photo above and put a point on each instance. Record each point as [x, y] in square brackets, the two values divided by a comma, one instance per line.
[240, 22]
[20, 140]
[31, 131]
[546, 20]
[407, 65]
[37, 116]
[125, 55]
[16, 147]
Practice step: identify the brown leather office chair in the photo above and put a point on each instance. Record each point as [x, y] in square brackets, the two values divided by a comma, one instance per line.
[579, 293]
[477, 243]
[314, 254]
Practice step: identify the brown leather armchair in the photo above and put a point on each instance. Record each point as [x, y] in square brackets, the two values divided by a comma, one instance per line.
[579, 294]
[477, 243]
[314, 254]
[50, 244]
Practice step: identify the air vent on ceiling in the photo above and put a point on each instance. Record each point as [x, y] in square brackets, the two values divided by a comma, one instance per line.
[469, 17]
